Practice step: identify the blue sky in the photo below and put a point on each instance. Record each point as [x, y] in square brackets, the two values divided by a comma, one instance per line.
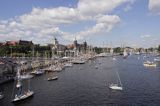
[100, 22]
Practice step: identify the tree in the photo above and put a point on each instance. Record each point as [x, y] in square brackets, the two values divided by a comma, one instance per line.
[98, 50]
[117, 50]
[4, 50]
[159, 48]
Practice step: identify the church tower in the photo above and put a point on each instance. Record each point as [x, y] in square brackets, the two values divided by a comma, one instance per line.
[55, 42]
[54, 47]
[75, 43]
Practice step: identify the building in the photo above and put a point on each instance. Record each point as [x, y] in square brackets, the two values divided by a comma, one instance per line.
[75, 48]
[11, 43]
[78, 47]
[1, 44]
[58, 49]
[19, 42]
[68, 50]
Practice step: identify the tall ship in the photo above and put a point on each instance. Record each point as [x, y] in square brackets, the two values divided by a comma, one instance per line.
[19, 92]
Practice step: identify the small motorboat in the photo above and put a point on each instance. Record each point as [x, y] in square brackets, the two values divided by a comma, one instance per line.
[52, 78]
[38, 72]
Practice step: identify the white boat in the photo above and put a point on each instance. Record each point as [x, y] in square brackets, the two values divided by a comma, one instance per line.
[52, 78]
[51, 68]
[114, 58]
[157, 59]
[78, 61]
[38, 72]
[21, 95]
[137, 53]
[26, 76]
[24, 96]
[149, 64]
[58, 69]
[115, 87]
[118, 85]
[69, 64]
[66, 57]
[102, 55]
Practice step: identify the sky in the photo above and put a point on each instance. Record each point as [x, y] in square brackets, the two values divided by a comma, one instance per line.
[111, 23]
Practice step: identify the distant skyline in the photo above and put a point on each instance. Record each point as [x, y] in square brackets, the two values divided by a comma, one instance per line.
[112, 23]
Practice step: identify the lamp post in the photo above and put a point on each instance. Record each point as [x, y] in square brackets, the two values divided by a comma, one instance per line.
[11, 52]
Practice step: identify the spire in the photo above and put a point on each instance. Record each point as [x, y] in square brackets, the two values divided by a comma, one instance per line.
[55, 42]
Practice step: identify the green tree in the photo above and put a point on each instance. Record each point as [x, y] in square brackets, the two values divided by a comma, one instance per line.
[117, 50]
[159, 48]
[98, 50]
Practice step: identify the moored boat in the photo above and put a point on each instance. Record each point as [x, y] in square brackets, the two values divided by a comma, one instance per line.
[24, 96]
[69, 64]
[20, 94]
[58, 68]
[149, 64]
[26, 76]
[38, 72]
[157, 59]
[52, 78]
[78, 61]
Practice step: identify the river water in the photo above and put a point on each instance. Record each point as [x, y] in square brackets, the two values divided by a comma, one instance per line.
[84, 85]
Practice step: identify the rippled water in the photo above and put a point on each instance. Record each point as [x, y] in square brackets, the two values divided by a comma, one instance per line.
[85, 85]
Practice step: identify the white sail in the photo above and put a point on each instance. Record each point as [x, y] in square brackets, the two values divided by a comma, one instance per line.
[119, 79]
[116, 86]
[125, 53]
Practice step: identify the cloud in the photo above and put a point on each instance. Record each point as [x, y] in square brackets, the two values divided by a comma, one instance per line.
[127, 8]
[104, 23]
[145, 36]
[129, 5]
[154, 7]
[94, 7]
[41, 24]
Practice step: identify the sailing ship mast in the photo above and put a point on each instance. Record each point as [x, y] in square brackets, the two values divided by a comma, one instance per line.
[119, 79]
